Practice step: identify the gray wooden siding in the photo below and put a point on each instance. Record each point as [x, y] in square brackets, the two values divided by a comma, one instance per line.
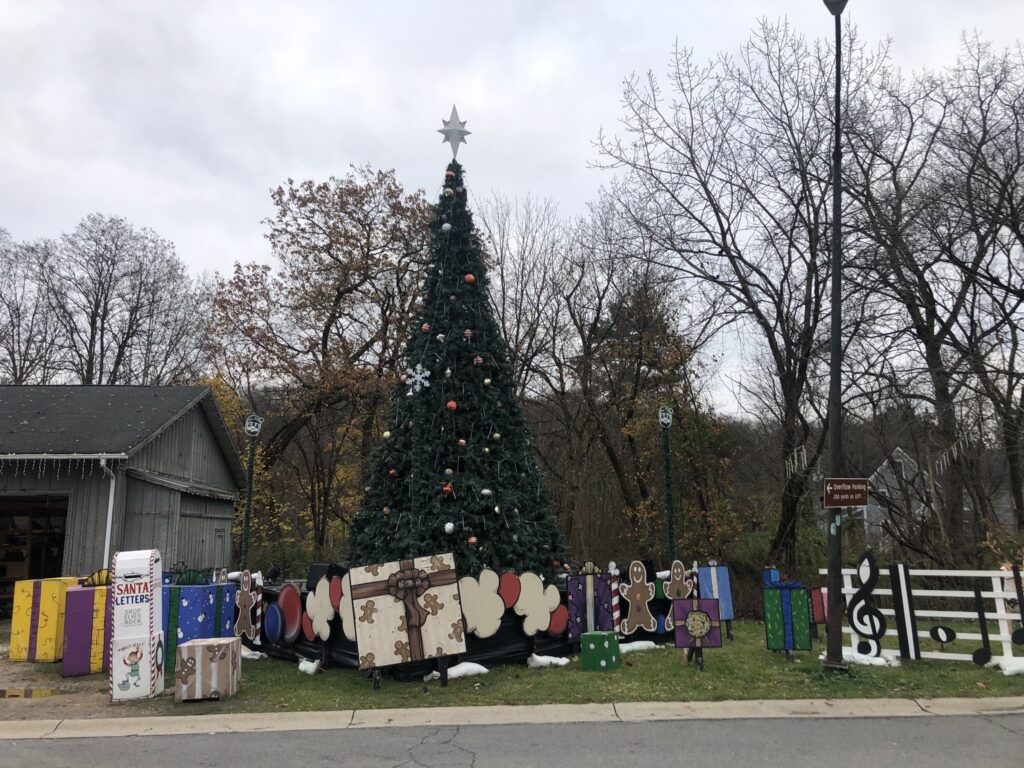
[87, 506]
[204, 533]
[188, 449]
[151, 519]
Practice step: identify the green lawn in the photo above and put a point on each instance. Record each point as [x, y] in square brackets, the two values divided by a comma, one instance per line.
[743, 669]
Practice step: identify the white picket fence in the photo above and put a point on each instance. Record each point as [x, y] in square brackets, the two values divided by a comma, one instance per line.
[997, 588]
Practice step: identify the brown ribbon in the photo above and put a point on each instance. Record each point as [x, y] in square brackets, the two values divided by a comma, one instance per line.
[407, 586]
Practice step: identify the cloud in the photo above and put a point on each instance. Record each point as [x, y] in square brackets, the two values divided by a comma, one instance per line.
[536, 603]
[482, 606]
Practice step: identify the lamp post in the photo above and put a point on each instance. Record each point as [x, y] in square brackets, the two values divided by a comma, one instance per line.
[253, 425]
[665, 419]
[834, 646]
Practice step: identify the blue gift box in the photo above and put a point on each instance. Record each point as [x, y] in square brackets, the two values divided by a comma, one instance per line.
[714, 584]
[197, 613]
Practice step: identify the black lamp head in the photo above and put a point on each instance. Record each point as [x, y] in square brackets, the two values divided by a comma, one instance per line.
[835, 7]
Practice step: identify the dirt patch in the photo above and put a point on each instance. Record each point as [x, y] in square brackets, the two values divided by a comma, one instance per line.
[60, 697]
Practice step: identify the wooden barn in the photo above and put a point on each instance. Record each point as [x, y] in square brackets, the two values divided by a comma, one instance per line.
[88, 470]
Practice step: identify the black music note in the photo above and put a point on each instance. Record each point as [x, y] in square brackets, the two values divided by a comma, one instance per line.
[942, 635]
[865, 619]
[983, 655]
[1018, 634]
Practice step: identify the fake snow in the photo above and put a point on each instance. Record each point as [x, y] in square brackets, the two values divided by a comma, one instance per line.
[543, 662]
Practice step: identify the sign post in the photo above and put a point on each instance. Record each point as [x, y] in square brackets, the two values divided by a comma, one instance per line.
[665, 419]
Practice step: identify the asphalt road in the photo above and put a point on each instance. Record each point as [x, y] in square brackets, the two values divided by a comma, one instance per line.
[917, 742]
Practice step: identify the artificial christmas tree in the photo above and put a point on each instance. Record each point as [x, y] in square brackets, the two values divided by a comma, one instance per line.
[456, 469]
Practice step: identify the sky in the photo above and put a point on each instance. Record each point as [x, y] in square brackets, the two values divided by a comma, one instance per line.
[182, 116]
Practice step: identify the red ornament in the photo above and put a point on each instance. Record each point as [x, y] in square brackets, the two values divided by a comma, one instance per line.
[556, 564]
[452, 405]
[467, 334]
[472, 541]
[425, 327]
[509, 588]
[461, 443]
[392, 473]
[478, 360]
[470, 278]
[449, 175]
[448, 490]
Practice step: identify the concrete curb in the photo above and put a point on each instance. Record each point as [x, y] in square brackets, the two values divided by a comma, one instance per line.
[539, 715]
[544, 714]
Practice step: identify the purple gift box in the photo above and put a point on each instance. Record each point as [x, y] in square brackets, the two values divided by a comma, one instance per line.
[87, 628]
[698, 623]
[590, 604]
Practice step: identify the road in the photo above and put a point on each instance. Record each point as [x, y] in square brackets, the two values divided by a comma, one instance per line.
[918, 742]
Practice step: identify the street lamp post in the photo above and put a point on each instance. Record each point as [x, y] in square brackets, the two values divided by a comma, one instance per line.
[834, 646]
[665, 419]
[253, 425]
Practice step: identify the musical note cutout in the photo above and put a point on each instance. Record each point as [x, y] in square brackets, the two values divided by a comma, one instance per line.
[983, 655]
[1018, 634]
[906, 617]
[865, 619]
[942, 635]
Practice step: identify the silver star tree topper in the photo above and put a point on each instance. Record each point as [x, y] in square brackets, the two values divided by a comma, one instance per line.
[454, 131]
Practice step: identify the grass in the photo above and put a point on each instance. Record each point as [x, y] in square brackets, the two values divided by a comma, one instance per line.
[743, 669]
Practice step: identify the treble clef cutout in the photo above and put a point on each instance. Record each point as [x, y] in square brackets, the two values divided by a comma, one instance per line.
[865, 619]
[1018, 634]
[983, 655]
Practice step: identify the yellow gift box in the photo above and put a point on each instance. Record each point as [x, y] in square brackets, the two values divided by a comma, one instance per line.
[37, 619]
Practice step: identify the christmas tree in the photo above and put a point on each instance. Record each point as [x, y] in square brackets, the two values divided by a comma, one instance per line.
[456, 469]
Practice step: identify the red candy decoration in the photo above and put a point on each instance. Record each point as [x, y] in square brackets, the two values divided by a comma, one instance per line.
[559, 621]
[449, 175]
[478, 360]
[425, 327]
[461, 443]
[509, 588]
[452, 405]
[448, 490]
[392, 473]
[472, 541]
[336, 592]
[470, 278]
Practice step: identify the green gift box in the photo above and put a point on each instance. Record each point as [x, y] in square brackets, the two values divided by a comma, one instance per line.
[600, 651]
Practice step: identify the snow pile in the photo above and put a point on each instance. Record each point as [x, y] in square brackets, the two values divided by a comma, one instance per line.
[543, 662]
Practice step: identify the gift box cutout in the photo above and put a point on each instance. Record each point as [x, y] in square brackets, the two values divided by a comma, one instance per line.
[407, 610]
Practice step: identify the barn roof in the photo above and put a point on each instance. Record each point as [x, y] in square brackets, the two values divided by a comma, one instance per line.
[75, 421]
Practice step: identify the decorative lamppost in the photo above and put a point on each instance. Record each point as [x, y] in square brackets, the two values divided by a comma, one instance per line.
[253, 425]
[834, 646]
[665, 419]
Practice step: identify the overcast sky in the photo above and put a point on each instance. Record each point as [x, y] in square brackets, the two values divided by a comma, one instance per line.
[181, 116]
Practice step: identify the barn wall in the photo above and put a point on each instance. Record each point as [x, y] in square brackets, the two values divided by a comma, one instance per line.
[151, 519]
[189, 450]
[204, 533]
[87, 489]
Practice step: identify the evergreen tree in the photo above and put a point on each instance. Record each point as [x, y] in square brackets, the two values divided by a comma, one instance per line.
[456, 469]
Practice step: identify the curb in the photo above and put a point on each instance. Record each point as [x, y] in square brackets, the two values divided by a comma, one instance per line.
[543, 714]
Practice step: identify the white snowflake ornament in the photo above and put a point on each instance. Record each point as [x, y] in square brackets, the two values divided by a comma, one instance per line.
[418, 379]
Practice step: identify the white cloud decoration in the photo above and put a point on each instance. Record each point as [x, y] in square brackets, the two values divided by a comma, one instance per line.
[482, 606]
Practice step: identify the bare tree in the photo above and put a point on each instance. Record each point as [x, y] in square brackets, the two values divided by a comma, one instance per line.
[126, 310]
[28, 333]
[730, 178]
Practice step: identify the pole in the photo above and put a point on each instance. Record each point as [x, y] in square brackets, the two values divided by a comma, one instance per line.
[834, 647]
[669, 506]
[248, 502]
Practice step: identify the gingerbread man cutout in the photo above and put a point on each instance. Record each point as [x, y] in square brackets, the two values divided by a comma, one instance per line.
[639, 593]
[245, 598]
[680, 584]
